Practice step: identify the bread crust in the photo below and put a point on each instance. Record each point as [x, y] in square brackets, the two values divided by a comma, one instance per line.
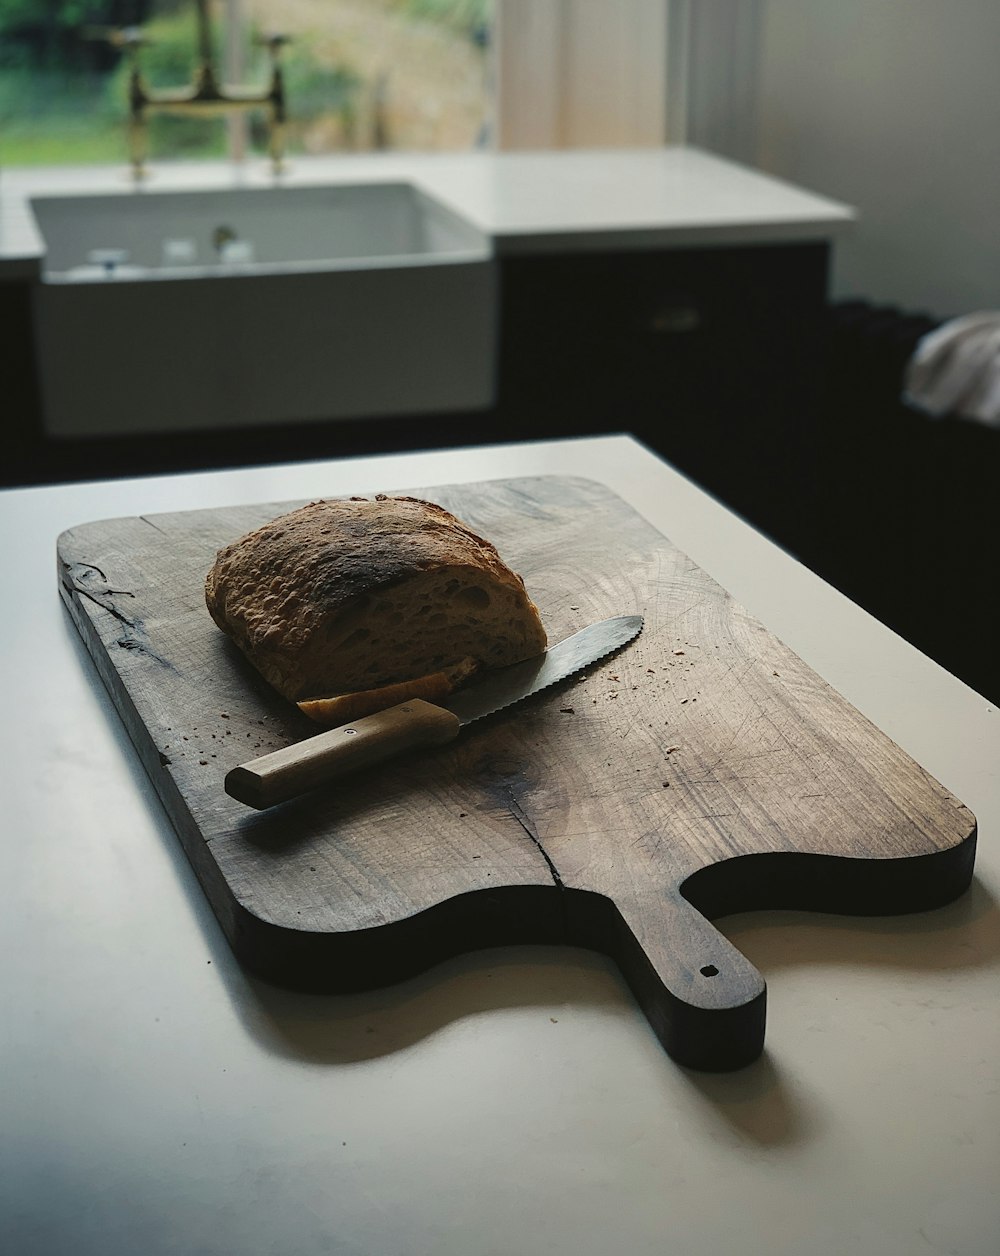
[345, 595]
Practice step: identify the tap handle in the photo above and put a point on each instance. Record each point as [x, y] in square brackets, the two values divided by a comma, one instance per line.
[273, 42]
[127, 39]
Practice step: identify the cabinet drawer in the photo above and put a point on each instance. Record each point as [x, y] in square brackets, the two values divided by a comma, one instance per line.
[700, 325]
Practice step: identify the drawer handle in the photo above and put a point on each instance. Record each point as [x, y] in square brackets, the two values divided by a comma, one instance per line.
[675, 320]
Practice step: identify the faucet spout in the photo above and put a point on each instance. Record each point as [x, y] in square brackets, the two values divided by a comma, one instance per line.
[204, 95]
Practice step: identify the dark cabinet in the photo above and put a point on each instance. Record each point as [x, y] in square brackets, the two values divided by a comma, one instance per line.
[709, 355]
[20, 400]
[712, 356]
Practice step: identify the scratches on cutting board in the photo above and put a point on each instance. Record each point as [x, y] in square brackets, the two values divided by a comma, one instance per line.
[87, 580]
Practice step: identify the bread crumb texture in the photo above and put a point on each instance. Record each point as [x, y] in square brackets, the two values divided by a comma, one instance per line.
[355, 594]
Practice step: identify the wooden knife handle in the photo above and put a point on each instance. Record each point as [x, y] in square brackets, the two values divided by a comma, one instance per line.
[286, 773]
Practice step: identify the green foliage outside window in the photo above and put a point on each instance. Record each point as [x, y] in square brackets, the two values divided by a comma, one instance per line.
[63, 87]
[470, 17]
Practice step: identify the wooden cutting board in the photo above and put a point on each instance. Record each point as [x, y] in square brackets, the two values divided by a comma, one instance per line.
[704, 769]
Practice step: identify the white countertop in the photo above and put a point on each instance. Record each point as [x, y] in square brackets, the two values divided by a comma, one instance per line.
[510, 1103]
[615, 198]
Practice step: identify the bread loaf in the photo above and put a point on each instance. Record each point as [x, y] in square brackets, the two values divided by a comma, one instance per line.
[347, 597]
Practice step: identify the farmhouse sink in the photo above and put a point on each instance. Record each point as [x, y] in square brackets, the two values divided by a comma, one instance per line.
[177, 311]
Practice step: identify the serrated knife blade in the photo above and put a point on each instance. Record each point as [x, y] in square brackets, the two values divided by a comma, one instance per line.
[507, 685]
[308, 764]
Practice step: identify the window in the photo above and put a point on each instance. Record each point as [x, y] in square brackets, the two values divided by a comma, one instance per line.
[359, 74]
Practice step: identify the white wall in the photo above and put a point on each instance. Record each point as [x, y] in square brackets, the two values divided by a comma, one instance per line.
[894, 107]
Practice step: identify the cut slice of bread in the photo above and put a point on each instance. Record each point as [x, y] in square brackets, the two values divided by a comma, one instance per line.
[332, 712]
[348, 597]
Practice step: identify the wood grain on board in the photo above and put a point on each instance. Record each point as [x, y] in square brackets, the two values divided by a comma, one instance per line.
[703, 769]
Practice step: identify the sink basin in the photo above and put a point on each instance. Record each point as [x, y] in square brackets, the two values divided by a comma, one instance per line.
[179, 311]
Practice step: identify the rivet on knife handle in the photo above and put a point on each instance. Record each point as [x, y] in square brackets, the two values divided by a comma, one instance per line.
[286, 773]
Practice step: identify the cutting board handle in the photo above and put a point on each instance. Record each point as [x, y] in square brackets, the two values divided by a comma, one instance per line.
[705, 1000]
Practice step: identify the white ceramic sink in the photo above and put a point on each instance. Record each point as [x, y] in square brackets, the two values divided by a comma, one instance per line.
[178, 311]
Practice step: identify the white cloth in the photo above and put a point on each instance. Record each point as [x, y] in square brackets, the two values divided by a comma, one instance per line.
[955, 370]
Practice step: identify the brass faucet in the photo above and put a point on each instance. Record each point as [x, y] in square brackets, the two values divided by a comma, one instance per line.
[204, 95]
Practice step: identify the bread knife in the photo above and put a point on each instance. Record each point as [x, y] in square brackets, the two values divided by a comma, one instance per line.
[286, 773]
